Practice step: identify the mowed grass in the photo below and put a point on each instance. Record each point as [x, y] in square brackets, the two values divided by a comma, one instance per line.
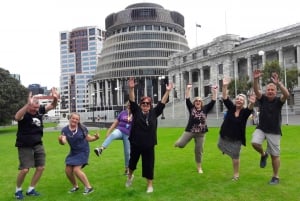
[175, 171]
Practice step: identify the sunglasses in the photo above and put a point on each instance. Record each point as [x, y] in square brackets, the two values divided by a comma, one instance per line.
[145, 103]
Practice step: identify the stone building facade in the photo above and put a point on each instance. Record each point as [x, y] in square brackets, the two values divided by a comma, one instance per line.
[234, 56]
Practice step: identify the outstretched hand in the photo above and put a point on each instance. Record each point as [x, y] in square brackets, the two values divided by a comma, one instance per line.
[169, 87]
[54, 93]
[257, 73]
[275, 78]
[226, 81]
[252, 98]
[30, 98]
[131, 82]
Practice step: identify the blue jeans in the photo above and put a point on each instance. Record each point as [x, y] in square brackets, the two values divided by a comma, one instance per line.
[118, 135]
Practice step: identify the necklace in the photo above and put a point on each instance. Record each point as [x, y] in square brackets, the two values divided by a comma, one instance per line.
[74, 132]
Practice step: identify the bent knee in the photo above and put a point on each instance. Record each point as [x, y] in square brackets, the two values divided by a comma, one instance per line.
[25, 171]
[40, 168]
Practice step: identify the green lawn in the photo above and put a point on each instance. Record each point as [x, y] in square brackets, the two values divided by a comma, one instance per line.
[175, 172]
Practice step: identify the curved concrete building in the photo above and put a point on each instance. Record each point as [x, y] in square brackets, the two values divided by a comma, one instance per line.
[139, 41]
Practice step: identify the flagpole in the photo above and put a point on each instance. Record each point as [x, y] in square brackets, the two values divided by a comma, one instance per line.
[197, 26]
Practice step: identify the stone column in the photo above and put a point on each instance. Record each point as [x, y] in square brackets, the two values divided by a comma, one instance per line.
[98, 101]
[298, 64]
[190, 81]
[106, 93]
[235, 75]
[201, 81]
[280, 57]
[263, 58]
[249, 67]
[118, 94]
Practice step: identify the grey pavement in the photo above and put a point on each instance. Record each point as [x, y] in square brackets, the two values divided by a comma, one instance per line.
[177, 116]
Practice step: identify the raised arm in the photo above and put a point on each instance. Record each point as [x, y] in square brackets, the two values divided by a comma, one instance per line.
[21, 112]
[256, 75]
[252, 100]
[226, 82]
[169, 87]
[55, 96]
[283, 89]
[188, 91]
[131, 89]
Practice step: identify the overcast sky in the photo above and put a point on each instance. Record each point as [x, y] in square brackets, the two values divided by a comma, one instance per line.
[29, 29]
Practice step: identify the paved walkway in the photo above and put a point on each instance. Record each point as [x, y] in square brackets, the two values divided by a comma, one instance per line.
[177, 116]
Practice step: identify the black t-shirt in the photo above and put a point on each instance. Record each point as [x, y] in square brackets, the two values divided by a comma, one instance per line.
[30, 129]
[270, 115]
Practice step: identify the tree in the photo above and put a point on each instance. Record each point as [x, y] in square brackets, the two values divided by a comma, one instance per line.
[13, 96]
[291, 74]
[269, 68]
[243, 85]
[292, 78]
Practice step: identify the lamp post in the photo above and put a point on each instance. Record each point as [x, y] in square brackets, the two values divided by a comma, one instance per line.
[173, 108]
[286, 102]
[93, 106]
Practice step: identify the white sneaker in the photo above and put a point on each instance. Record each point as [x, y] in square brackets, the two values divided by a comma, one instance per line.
[129, 181]
[200, 171]
[150, 189]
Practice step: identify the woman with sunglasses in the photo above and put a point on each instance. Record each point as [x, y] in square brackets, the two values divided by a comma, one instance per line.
[232, 133]
[197, 125]
[143, 134]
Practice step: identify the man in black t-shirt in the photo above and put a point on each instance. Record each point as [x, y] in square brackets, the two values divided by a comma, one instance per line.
[29, 141]
[269, 126]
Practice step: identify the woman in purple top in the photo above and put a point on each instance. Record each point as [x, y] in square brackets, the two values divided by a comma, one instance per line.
[119, 130]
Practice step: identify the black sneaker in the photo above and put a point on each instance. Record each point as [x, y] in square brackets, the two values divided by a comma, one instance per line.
[74, 189]
[274, 181]
[19, 195]
[263, 160]
[32, 193]
[98, 151]
[88, 191]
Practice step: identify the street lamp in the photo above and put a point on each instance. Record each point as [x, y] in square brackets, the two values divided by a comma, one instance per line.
[286, 101]
[93, 106]
[173, 108]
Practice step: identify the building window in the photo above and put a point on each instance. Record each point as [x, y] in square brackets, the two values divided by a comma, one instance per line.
[194, 55]
[205, 52]
[206, 73]
[195, 76]
[132, 28]
[92, 32]
[63, 36]
[220, 69]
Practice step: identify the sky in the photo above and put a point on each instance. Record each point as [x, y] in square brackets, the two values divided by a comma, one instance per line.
[29, 29]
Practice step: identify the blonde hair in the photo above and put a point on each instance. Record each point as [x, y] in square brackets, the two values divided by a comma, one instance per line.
[245, 99]
[198, 98]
